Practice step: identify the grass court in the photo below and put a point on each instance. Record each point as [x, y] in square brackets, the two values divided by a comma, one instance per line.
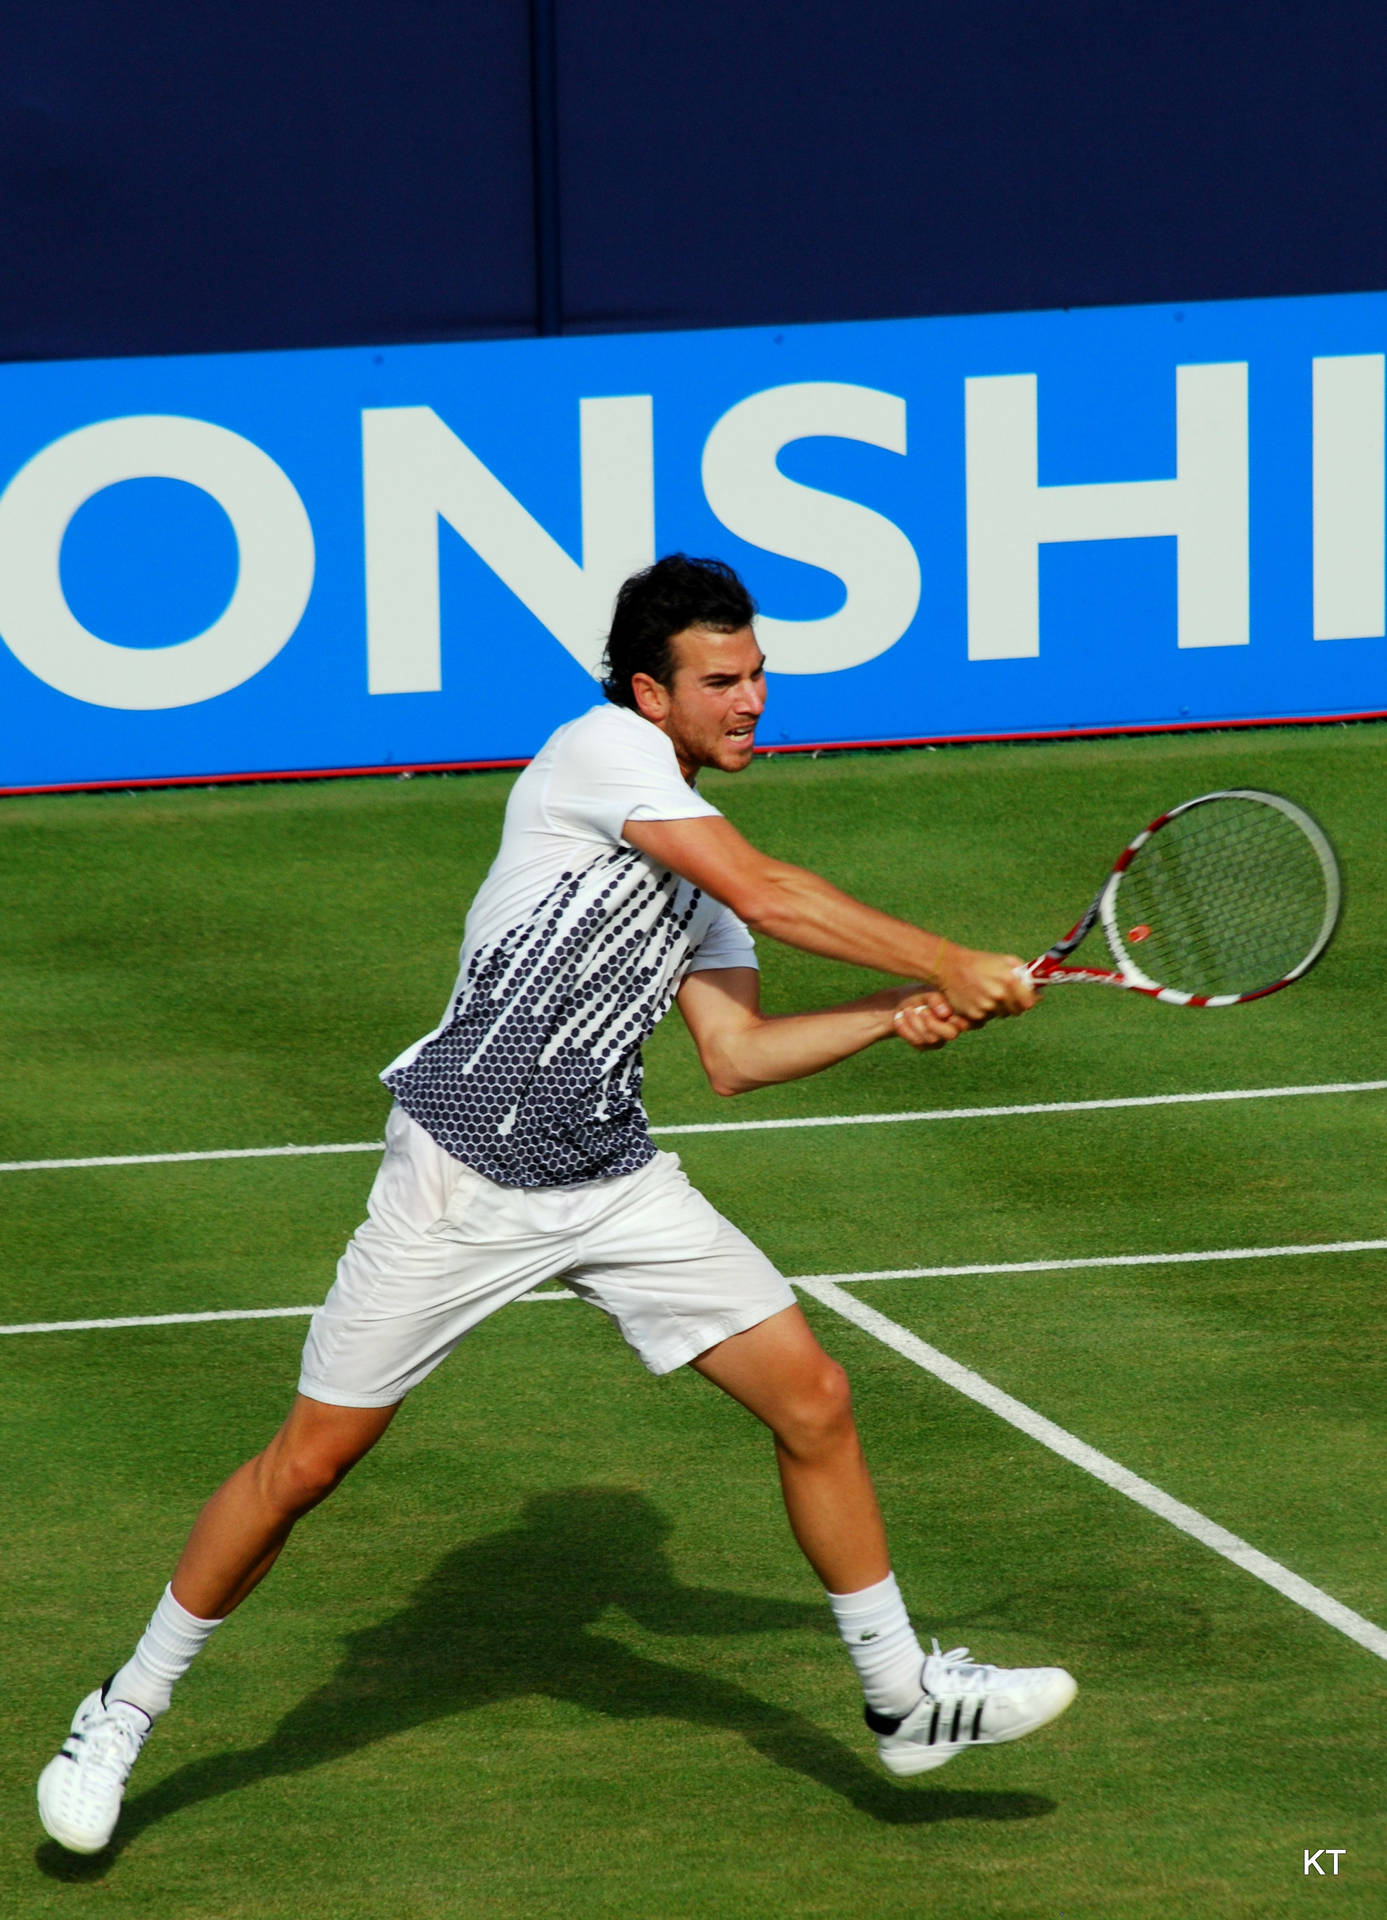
[551, 1651]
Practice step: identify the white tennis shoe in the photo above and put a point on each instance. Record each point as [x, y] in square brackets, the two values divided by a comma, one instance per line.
[80, 1789]
[965, 1705]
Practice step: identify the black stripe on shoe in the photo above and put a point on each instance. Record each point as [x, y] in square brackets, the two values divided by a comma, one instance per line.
[934, 1724]
[882, 1723]
[977, 1722]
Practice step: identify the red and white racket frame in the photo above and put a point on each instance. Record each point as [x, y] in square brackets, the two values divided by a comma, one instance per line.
[1049, 970]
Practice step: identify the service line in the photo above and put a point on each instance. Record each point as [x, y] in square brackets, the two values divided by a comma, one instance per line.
[744, 1126]
[808, 1281]
[1111, 1472]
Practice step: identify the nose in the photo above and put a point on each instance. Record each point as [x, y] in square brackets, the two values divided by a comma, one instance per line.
[753, 696]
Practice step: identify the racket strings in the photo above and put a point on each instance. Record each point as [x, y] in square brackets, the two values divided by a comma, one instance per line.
[1226, 898]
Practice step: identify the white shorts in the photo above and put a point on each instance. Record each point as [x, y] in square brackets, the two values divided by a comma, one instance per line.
[443, 1247]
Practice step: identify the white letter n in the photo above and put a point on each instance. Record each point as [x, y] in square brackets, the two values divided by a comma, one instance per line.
[416, 469]
[1010, 514]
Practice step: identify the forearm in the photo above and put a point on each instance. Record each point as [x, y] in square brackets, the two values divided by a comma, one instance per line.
[769, 1050]
[805, 911]
[791, 904]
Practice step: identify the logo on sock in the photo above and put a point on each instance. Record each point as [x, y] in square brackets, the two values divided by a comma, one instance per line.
[869, 1636]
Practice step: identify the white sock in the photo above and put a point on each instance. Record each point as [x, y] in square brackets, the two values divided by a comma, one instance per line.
[877, 1633]
[164, 1655]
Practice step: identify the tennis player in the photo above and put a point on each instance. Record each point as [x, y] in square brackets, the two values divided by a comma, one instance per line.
[518, 1151]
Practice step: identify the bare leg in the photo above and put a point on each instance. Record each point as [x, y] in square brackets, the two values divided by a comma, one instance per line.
[779, 1372]
[237, 1537]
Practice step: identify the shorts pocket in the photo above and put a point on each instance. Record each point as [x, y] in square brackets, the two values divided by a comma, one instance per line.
[471, 1211]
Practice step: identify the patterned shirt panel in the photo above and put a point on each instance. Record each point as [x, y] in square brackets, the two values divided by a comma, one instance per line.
[535, 1077]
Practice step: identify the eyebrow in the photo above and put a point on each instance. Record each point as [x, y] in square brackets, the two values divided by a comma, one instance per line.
[708, 679]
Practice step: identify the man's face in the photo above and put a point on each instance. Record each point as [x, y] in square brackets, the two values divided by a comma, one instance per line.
[711, 707]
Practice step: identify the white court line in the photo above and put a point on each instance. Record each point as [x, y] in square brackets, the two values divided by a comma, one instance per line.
[743, 1126]
[161, 1319]
[194, 1319]
[1099, 1260]
[1323, 1605]
[1038, 1106]
[806, 1280]
[169, 1159]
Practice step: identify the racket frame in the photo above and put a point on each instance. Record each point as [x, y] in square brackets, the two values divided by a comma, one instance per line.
[1048, 970]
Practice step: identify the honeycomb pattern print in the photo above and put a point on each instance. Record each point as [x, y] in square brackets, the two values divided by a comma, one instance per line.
[535, 1080]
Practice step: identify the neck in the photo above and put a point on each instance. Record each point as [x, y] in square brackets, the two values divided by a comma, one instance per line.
[687, 766]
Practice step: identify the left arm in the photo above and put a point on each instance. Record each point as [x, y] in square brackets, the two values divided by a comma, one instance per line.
[741, 1048]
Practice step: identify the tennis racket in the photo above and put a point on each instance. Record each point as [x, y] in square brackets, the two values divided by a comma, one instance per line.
[1226, 898]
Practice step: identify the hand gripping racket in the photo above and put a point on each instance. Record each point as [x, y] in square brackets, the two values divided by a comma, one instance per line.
[1226, 898]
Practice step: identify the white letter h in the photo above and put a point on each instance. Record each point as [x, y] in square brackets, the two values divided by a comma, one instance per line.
[1010, 514]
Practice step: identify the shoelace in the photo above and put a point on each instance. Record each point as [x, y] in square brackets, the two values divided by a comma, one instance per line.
[111, 1746]
[951, 1673]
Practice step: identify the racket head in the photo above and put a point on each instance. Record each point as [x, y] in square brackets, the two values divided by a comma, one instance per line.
[1227, 897]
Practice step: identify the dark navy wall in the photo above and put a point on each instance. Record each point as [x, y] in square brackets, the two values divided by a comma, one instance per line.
[180, 179]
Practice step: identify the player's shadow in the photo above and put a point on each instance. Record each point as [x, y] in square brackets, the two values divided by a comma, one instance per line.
[512, 1615]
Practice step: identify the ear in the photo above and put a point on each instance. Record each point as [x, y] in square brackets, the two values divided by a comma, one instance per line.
[652, 700]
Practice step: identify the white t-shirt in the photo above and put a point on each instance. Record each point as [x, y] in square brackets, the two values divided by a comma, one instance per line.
[575, 946]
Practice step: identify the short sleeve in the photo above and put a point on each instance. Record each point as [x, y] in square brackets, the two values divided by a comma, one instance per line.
[612, 766]
[727, 943]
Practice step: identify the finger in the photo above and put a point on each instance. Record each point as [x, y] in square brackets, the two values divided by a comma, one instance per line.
[920, 1027]
[936, 1006]
[1019, 991]
[1026, 993]
[933, 1004]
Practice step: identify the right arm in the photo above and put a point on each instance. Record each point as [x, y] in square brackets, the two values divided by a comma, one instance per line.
[742, 1048]
[791, 904]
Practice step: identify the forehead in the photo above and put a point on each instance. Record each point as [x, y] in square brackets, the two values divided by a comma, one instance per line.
[702, 653]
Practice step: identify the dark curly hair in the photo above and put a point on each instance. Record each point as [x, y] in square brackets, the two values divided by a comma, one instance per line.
[658, 603]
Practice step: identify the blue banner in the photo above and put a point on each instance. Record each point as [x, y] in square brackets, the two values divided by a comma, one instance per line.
[955, 528]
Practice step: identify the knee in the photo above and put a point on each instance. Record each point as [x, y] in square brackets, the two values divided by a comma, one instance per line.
[294, 1478]
[818, 1418]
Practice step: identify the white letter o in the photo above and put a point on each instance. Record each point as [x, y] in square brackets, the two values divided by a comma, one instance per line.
[273, 582]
